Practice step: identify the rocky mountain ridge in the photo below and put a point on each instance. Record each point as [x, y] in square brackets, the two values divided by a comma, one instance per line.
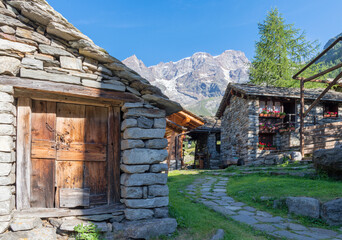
[198, 81]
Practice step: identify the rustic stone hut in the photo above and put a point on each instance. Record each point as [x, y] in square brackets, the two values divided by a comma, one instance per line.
[79, 133]
[208, 140]
[178, 125]
[260, 123]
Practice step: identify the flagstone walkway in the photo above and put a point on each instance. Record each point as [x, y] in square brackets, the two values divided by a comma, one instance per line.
[213, 195]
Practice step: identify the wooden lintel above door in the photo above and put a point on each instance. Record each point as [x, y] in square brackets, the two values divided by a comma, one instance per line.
[68, 89]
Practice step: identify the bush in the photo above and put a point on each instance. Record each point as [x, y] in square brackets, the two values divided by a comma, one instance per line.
[87, 232]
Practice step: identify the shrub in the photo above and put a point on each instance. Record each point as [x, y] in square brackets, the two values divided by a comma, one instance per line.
[87, 232]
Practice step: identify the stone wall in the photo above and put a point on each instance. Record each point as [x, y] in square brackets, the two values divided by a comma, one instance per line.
[38, 44]
[234, 130]
[7, 155]
[215, 160]
[240, 132]
[144, 190]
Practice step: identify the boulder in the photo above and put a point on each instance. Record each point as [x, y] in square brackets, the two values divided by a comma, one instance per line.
[5, 169]
[71, 63]
[329, 161]
[147, 203]
[7, 157]
[96, 218]
[128, 123]
[332, 212]
[133, 168]
[144, 122]
[42, 75]
[143, 156]
[36, 234]
[117, 86]
[70, 223]
[161, 102]
[304, 206]
[162, 212]
[64, 32]
[157, 143]
[296, 156]
[159, 167]
[158, 190]
[144, 112]
[218, 235]
[54, 51]
[6, 207]
[159, 123]
[34, 36]
[6, 143]
[141, 179]
[138, 214]
[32, 63]
[9, 66]
[139, 133]
[23, 224]
[131, 192]
[129, 105]
[146, 229]
[128, 144]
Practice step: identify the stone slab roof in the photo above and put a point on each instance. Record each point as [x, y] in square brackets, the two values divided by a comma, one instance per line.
[50, 48]
[280, 92]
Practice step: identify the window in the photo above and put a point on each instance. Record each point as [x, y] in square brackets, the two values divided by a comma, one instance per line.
[330, 110]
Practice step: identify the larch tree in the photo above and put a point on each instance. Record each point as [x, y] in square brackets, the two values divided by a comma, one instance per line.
[281, 51]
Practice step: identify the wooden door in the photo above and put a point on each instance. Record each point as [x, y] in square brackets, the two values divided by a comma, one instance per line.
[72, 155]
[43, 154]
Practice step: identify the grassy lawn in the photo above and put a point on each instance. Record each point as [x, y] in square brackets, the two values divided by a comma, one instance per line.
[249, 189]
[195, 221]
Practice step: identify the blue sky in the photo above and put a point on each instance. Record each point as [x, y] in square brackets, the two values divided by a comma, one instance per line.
[168, 30]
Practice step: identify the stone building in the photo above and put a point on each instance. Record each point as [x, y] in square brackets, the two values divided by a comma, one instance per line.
[207, 138]
[177, 126]
[81, 135]
[260, 123]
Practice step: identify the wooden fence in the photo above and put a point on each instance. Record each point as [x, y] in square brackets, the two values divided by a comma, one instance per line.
[322, 137]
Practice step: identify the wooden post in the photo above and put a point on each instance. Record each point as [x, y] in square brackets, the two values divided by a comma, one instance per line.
[23, 181]
[114, 149]
[301, 118]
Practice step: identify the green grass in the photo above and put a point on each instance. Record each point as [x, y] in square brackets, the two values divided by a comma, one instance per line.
[195, 221]
[249, 189]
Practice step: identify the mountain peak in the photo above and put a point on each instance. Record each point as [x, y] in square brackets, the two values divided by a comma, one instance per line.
[200, 77]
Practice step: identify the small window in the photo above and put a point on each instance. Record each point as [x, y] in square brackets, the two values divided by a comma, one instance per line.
[330, 110]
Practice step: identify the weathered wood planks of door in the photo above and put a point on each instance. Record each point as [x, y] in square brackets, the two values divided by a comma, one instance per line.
[76, 150]
[83, 166]
[43, 154]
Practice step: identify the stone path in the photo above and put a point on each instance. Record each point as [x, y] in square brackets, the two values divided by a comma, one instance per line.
[213, 194]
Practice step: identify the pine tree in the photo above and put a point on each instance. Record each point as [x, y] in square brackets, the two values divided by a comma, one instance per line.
[281, 51]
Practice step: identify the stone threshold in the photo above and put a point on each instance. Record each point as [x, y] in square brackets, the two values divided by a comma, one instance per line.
[62, 212]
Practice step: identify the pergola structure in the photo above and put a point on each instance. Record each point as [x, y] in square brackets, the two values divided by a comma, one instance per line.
[314, 78]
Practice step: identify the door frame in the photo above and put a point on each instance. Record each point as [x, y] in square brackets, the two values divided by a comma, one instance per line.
[23, 148]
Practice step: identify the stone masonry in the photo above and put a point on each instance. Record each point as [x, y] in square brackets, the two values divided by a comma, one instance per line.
[240, 132]
[7, 155]
[39, 44]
